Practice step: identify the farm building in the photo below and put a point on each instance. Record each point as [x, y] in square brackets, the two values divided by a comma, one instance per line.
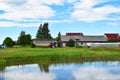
[44, 42]
[82, 40]
[112, 36]
[79, 38]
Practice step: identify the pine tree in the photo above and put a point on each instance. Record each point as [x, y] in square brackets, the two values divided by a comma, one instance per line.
[21, 39]
[58, 37]
[39, 32]
[43, 32]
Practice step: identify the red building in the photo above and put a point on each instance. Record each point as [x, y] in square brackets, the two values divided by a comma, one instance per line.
[74, 34]
[112, 36]
[119, 39]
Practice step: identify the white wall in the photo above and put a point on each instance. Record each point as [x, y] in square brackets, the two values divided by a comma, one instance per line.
[64, 44]
[103, 44]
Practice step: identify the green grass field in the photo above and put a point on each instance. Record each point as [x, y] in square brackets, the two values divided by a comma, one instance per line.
[26, 54]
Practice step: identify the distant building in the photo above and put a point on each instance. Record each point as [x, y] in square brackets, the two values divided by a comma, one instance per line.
[112, 36]
[119, 39]
[44, 42]
[81, 40]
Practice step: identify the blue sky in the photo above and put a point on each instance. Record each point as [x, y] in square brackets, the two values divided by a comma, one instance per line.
[92, 17]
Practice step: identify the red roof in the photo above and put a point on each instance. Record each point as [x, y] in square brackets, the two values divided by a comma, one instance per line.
[74, 34]
[112, 36]
[119, 39]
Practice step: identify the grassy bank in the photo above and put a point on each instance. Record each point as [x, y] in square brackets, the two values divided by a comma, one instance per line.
[16, 55]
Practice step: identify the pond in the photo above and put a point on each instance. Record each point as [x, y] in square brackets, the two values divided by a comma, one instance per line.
[63, 71]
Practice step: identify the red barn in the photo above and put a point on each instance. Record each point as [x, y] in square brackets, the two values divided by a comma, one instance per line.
[119, 39]
[112, 36]
[74, 34]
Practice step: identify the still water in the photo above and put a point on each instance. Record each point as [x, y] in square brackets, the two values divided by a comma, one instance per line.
[63, 71]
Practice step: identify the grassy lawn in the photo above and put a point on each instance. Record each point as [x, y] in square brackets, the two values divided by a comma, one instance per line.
[26, 53]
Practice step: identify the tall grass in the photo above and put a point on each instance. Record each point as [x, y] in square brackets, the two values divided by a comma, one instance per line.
[18, 54]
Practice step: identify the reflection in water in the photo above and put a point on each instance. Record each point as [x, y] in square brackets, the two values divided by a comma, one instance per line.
[44, 68]
[94, 73]
[26, 72]
[85, 71]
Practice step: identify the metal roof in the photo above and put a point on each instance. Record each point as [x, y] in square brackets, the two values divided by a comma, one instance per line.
[84, 38]
[93, 38]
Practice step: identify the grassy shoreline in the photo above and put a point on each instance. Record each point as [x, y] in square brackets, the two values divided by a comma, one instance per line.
[22, 54]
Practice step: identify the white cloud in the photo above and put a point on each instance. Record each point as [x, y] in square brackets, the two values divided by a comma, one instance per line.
[85, 11]
[48, 2]
[32, 11]
[17, 24]
[112, 24]
[20, 10]
[13, 2]
[56, 2]
[71, 1]
[30, 23]
[37, 10]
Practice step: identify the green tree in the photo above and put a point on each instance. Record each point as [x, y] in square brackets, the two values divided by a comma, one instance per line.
[14, 43]
[112, 40]
[43, 32]
[24, 39]
[71, 43]
[22, 33]
[28, 39]
[32, 45]
[8, 42]
[58, 37]
[21, 38]
[39, 32]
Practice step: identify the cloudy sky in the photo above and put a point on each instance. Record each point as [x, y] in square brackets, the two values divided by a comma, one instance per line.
[92, 17]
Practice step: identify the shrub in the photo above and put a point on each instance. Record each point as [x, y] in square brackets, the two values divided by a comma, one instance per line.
[79, 46]
[71, 43]
[8, 42]
[112, 40]
[32, 45]
[42, 46]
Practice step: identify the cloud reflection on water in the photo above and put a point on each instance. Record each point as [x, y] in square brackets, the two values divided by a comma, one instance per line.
[29, 72]
[85, 71]
[95, 73]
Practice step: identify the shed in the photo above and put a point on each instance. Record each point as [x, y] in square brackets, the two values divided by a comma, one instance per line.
[112, 36]
[44, 42]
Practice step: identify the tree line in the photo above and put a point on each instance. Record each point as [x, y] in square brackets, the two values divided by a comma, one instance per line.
[43, 33]
[25, 39]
